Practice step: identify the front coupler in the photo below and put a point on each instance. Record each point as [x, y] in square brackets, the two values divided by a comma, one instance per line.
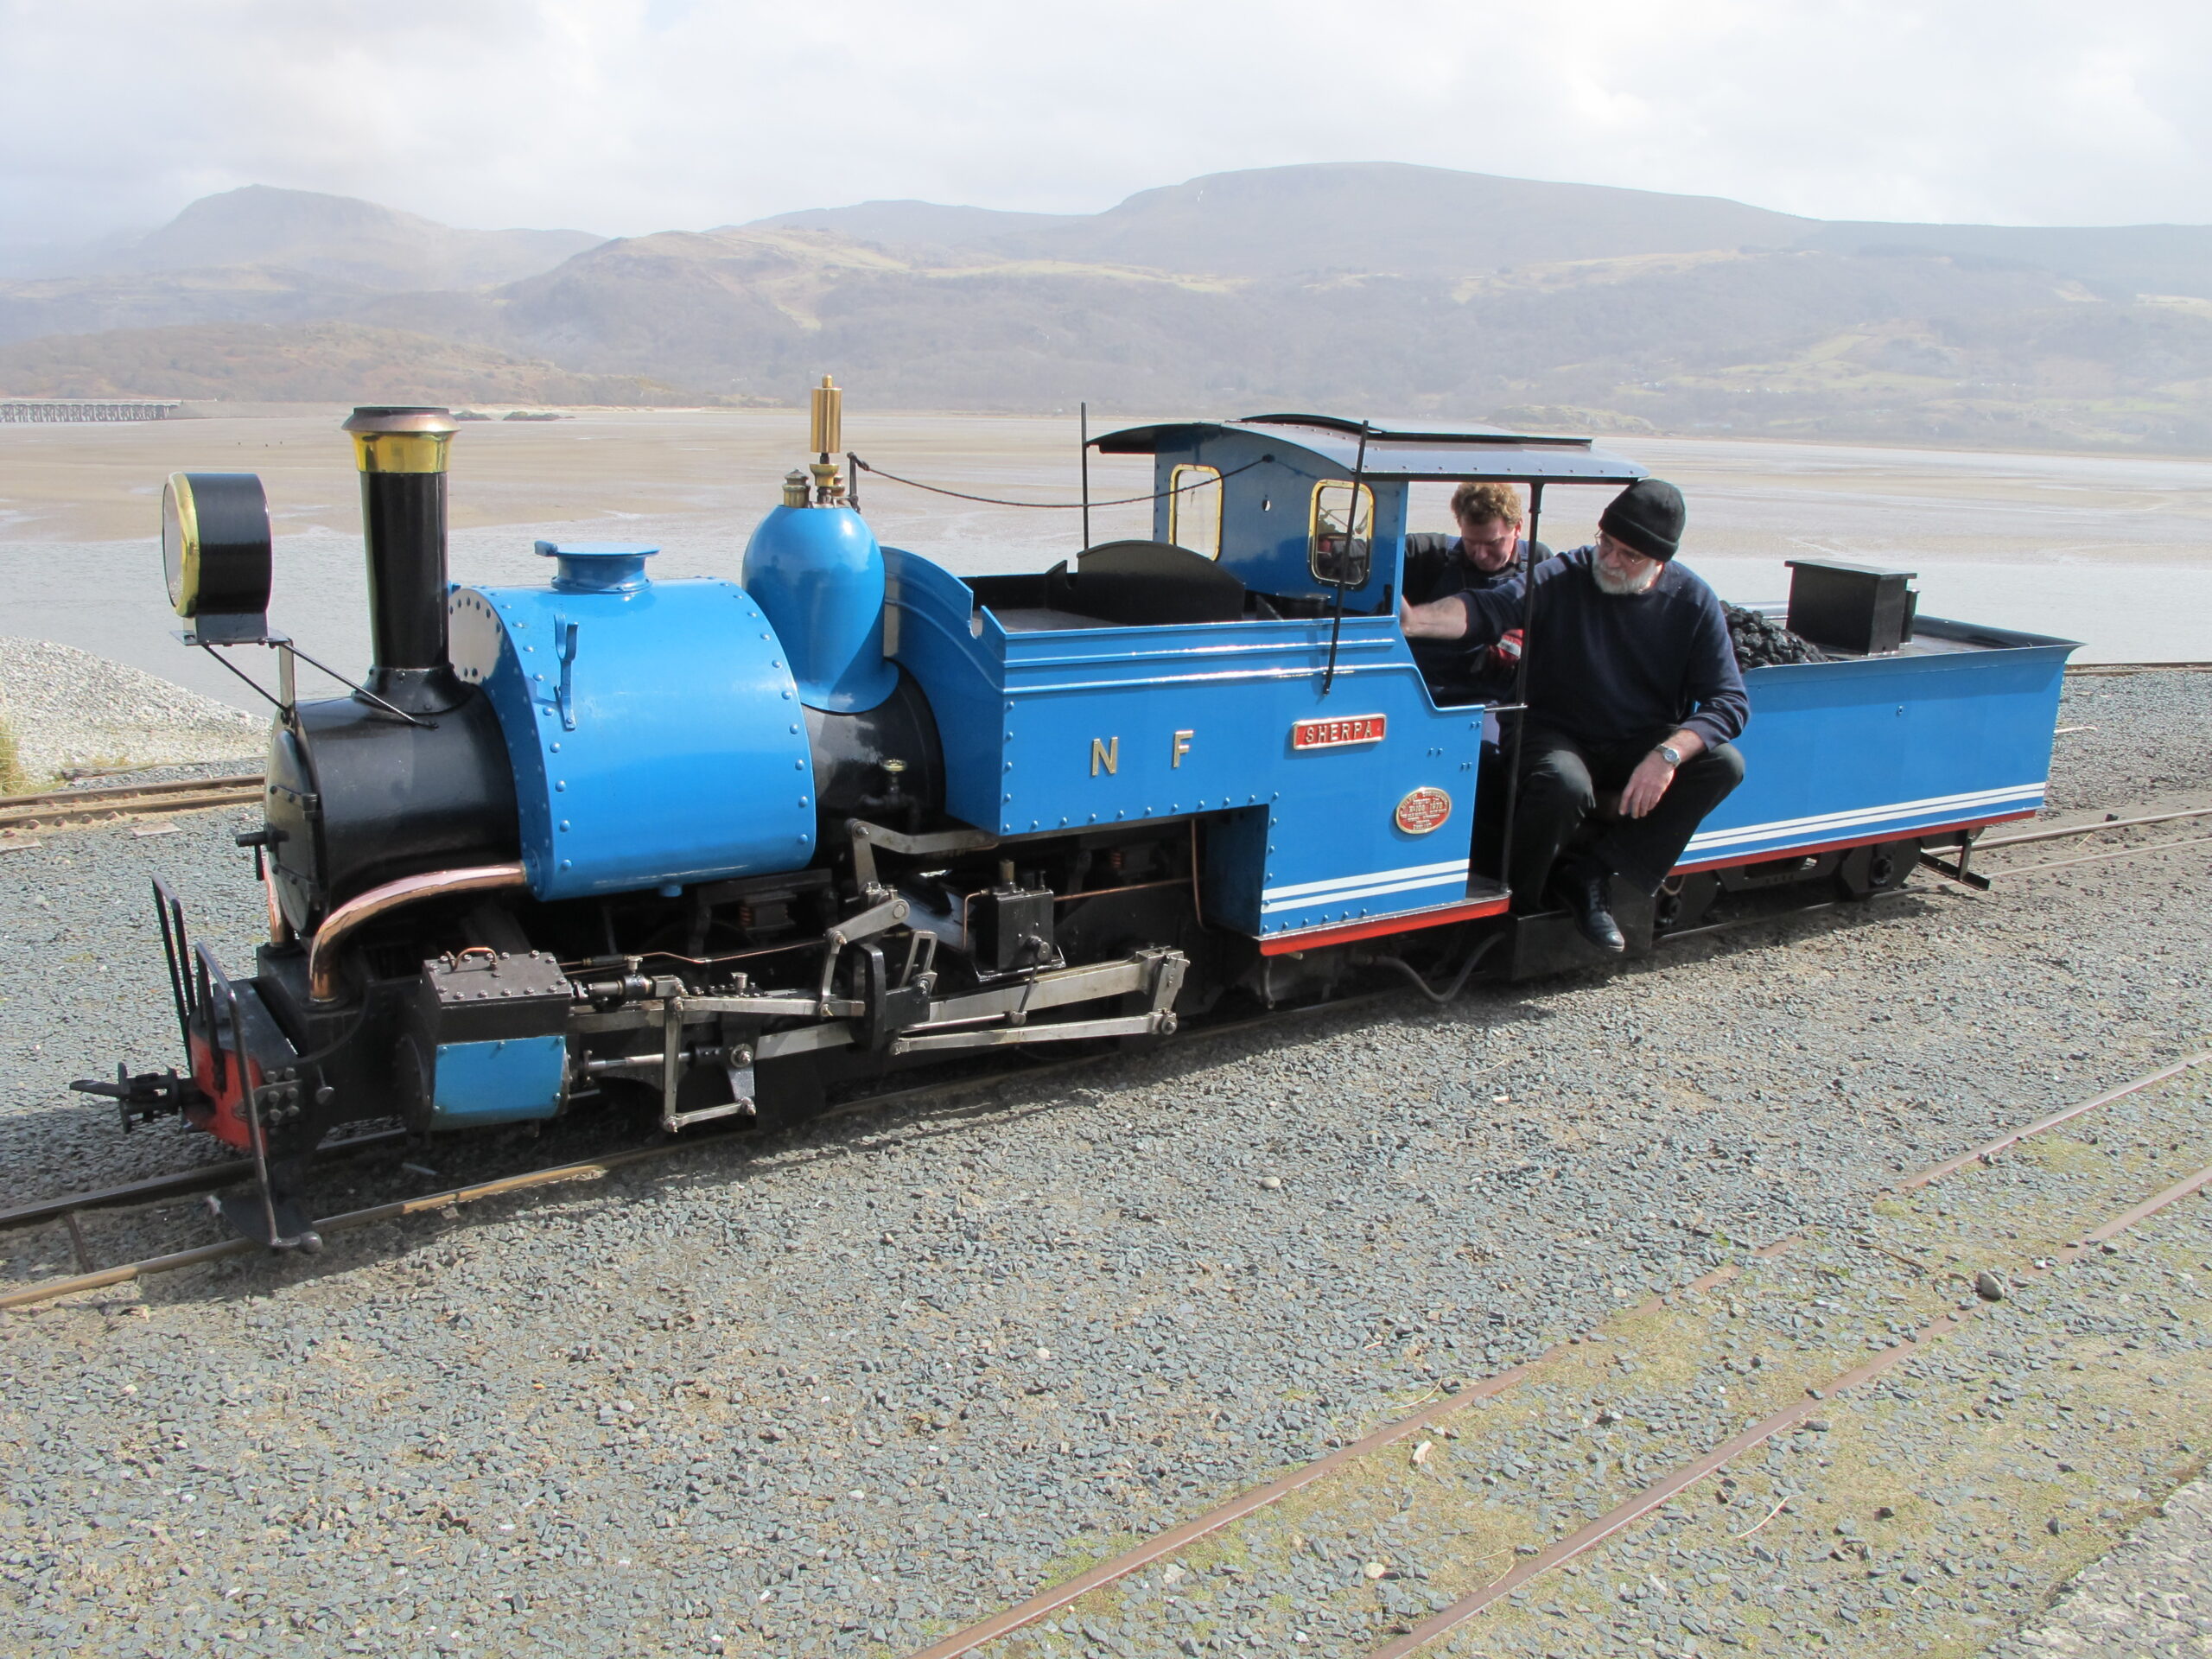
[247, 1085]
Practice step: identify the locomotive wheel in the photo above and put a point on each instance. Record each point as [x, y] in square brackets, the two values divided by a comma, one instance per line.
[1866, 871]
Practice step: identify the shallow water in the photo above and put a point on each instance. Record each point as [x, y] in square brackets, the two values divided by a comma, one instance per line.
[2114, 551]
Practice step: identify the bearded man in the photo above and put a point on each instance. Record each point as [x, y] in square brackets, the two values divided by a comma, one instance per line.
[1632, 688]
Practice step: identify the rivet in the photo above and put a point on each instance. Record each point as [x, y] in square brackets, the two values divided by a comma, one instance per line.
[561, 783]
[564, 824]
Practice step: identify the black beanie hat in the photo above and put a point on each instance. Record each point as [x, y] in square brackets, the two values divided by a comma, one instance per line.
[1648, 516]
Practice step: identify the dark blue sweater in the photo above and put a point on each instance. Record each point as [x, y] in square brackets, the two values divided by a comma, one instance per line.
[1618, 668]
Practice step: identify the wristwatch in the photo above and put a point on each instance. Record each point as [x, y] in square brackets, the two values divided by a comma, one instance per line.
[1669, 754]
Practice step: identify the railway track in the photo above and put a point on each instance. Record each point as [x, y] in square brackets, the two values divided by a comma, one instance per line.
[67, 1207]
[2068, 832]
[62, 808]
[2110, 670]
[1655, 1494]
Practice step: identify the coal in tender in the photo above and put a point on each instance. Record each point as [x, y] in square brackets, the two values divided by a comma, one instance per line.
[1762, 642]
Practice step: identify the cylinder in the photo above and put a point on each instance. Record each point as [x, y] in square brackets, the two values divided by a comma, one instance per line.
[402, 453]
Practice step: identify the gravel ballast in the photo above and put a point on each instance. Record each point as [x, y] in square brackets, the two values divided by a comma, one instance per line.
[70, 709]
[833, 1391]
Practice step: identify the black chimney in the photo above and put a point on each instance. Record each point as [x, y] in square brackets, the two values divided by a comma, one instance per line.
[402, 453]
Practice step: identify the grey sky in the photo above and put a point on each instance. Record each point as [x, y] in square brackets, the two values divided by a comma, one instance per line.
[627, 116]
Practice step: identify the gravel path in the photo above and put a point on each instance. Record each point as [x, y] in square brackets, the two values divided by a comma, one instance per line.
[69, 708]
[1898, 1517]
[829, 1392]
[2152, 1595]
[2148, 740]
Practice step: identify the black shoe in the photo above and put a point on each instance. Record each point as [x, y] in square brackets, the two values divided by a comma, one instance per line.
[1586, 891]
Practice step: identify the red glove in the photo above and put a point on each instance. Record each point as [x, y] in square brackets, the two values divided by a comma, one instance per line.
[1505, 656]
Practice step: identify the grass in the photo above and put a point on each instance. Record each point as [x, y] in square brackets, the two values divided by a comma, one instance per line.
[13, 779]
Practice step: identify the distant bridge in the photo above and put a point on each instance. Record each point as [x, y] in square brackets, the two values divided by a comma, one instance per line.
[17, 412]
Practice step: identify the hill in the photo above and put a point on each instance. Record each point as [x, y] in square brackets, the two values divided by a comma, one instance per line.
[1362, 287]
[324, 362]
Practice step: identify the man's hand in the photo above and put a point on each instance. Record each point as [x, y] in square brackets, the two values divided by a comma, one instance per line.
[1648, 785]
[1446, 620]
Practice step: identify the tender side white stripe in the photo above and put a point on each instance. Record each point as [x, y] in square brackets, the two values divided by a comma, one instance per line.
[1351, 895]
[1935, 806]
[1869, 814]
[1361, 880]
[1893, 817]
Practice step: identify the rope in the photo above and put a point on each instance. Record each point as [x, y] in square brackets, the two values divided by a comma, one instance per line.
[860, 466]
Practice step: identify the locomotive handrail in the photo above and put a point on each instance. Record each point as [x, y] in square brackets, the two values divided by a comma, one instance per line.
[1085, 505]
[341, 923]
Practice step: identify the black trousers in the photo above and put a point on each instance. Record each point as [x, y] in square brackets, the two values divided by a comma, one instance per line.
[1561, 779]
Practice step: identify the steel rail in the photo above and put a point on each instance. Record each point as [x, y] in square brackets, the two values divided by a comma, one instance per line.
[124, 791]
[1049, 1601]
[69, 806]
[2103, 670]
[155, 1188]
[1738, 923]
[2099, 858]
[2091, 829]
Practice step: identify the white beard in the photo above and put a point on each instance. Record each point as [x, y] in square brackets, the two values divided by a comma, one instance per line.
[1611, 581]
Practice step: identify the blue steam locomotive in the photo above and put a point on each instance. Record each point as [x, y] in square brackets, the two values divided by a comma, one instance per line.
[712, 846]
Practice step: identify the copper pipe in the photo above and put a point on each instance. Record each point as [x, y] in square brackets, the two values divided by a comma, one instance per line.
[341, 923]
[280, 927]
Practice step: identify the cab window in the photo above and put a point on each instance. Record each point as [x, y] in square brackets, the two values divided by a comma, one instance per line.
[1340, 533]
[1194, 509]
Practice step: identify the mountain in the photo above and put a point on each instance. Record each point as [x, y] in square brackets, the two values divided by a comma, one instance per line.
[1380, 288]
[1405, 220]
[264, 255]
[346, 240]
[1367, 216]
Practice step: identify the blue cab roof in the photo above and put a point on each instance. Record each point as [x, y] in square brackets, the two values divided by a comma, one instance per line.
[1406, 450]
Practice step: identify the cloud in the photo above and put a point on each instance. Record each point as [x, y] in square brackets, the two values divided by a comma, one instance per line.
[627, 116]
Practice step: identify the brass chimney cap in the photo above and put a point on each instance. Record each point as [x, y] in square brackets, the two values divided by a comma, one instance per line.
[420, 420]
[401, 439]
